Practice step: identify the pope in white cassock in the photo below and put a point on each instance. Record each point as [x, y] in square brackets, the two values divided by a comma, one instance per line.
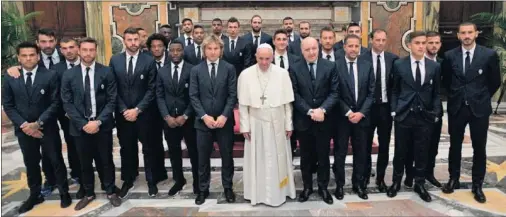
[265, 94]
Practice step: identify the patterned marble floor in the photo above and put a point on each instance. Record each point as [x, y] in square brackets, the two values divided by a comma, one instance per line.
[460, 203]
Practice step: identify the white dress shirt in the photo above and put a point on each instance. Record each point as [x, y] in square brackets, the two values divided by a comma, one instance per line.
[235, 43]
[209, 66]
[179, 69]
[324, 55]
[464, 55]
[34, 71]
[186, 39]
[134, 60]
[384, 98]
[277, 59]
[355, 74]
[422, 68]
[197, 50]
[77, 62]
[433, 59]
[91, 74]
[162, 61]
[259, 38]
[55, 57]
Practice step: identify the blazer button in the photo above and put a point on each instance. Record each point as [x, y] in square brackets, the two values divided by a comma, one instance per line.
[411, 109]
[314, 100]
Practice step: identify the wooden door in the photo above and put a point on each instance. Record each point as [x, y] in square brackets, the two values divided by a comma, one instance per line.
[66, 18]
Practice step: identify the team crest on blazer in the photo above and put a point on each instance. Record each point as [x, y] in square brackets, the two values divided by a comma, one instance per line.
[431, 81]
[240, 54]
[42, 91]
[102, 86]
[186, 85]
[142, 77]
[480, 71]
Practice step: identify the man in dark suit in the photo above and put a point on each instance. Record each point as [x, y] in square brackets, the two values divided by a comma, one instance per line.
[158, 45]
[327, 40]
[135, 75]
[187, 27]
[166, 31]
[31, 102]
[213, 95]
[193, 53]
[256, 36]
[237, 51]
[471, 75]
[415, 105]
[304, 29]
[353, 29]
[380, 117]
[315, 88]
[90, 107]
[356, 88]
[284, 59]
[293, 38]
[217, 26]
[174, 104]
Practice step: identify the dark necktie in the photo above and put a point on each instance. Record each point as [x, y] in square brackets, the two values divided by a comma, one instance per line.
[418, 79]
[311, 71]
[352, 80]
[328, 57]
[378, 90]
[158, 64]
[130, 70]
[50, 62]
[71, 65]
[175, 77]
[281, 62]
[87, 94]
[199, 54]
[189, 40]
[290, 37]
[28, 83]
[213, 73]
[468, 62]
[232, 45]
[256, 40]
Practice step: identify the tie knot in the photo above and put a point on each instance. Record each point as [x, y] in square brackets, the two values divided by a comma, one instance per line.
[379, 56]
[232, 41]
[131, 58]
[468, 53]
[280, 57]
[71, 64]
[29, 74]
[213, 64]
[311, 64]
[328, 56]
[198, 46]
[351, 63]
[176, 66]
[88, 69]
[256, 36]
[417, 62]
[158, 62]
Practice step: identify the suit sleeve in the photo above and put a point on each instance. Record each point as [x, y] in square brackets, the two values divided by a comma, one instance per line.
[395, 88]
[195, 93]
[436, 100]
[232, 93]
[366, 107]
[52, 110]
[332, 98]
[68, 101]
[121, 104]
[446, 72]
[110, 97]
[299, 103]
[248, 55]
[8, 103]
[149, 96]
[160, 97]
[494, 74]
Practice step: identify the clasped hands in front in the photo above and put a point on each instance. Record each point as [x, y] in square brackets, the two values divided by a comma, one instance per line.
[355, 117]
[317, 115]
[213, 124]
[32, 129]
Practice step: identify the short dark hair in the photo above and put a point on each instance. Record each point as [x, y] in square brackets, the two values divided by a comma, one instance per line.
[374, 31]
[67, 40]
[348, 37]
[256, 15]
[326, 29]
[415, 34]
[177, 42]
[305, 21]
[233, 20]
[88, 40]
[140, 28]
[27, 44]
[279, 31]
[131, 30]
[287, 18]
[156, 36]
[186, 19]
[165, 26]
[46, 32]
[198, 27]
[351, 25]
[468, 24]
[217, 20]
[433, 34]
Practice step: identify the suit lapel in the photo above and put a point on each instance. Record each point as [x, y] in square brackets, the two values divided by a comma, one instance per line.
[97, 78]
[207, 75]
[184, 73]
[307, 79]
[388, 67]
[428, 73]
[319, 75]
[408, 74]
[346, 74]
[21, 84]
[471, 73]
[37, 80]
[220, 76]
[169, 76]
[459, 61]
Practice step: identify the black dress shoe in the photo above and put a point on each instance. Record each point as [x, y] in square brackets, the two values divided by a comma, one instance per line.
[229, 195]
[339, 193]
[83, 203]
[65, 200]
[304, 195]
[451, 185]
[422, 192]
[432, 180]
[201, 197]
[382, 187]
[178, 186]
[80, 193]
[325, 194]
[152, 190]
[361, 192]
[392, 191]
[408, 182]
[114, 199]
[125, 189]
[30, 203]
[479, 196]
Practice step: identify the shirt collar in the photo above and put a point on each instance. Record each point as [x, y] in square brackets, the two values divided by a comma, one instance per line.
[284, 54]
[92, 67]
[235, 39]
[162, 60]
[324, 54]
[187, 36]
[179, 65]
[471, 51]
[259, 34]
[413, 60]
[209, 62]
[34, 70]
[428, 57]
[315, 62]
[77, 62]
[348, 60]
[135, 55]
[54, 55]
[375, 55]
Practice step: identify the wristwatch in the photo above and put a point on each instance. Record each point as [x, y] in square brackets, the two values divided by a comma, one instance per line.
[40, 123]
[99, 122]
[185, 117]
[138, 110]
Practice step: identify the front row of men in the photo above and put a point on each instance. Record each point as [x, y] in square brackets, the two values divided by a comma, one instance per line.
[345, 92]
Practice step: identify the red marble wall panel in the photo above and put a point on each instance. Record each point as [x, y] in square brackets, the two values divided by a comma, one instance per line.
[146, 19]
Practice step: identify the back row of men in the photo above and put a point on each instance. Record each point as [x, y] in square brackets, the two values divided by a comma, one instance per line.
[196, 103]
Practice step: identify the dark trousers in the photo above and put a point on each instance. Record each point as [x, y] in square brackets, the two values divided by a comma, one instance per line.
[30, 148]
[158, 164]
[314, 144]
[205, 140]
[382, 120]
[431, 161]
[173, 136]
[478, 127]
[358, 133]
[412, 132]
[96, 147]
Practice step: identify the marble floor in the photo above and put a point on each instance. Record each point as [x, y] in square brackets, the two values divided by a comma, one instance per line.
[460, 203]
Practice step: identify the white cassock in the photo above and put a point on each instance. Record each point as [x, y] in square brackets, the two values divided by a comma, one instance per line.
[268, 174]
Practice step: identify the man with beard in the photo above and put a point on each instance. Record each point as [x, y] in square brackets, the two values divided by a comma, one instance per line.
[166, 31]
[135, 74]
[237, 50]
[327, 41]
[157, 44]
[471, 75]
[256, 36]
[143, 36]
[90, 108]
[293, 38]
[304, 29]
[175, 108]
[353, 29]
[187, 27]
[217, 26]
[193, 53]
